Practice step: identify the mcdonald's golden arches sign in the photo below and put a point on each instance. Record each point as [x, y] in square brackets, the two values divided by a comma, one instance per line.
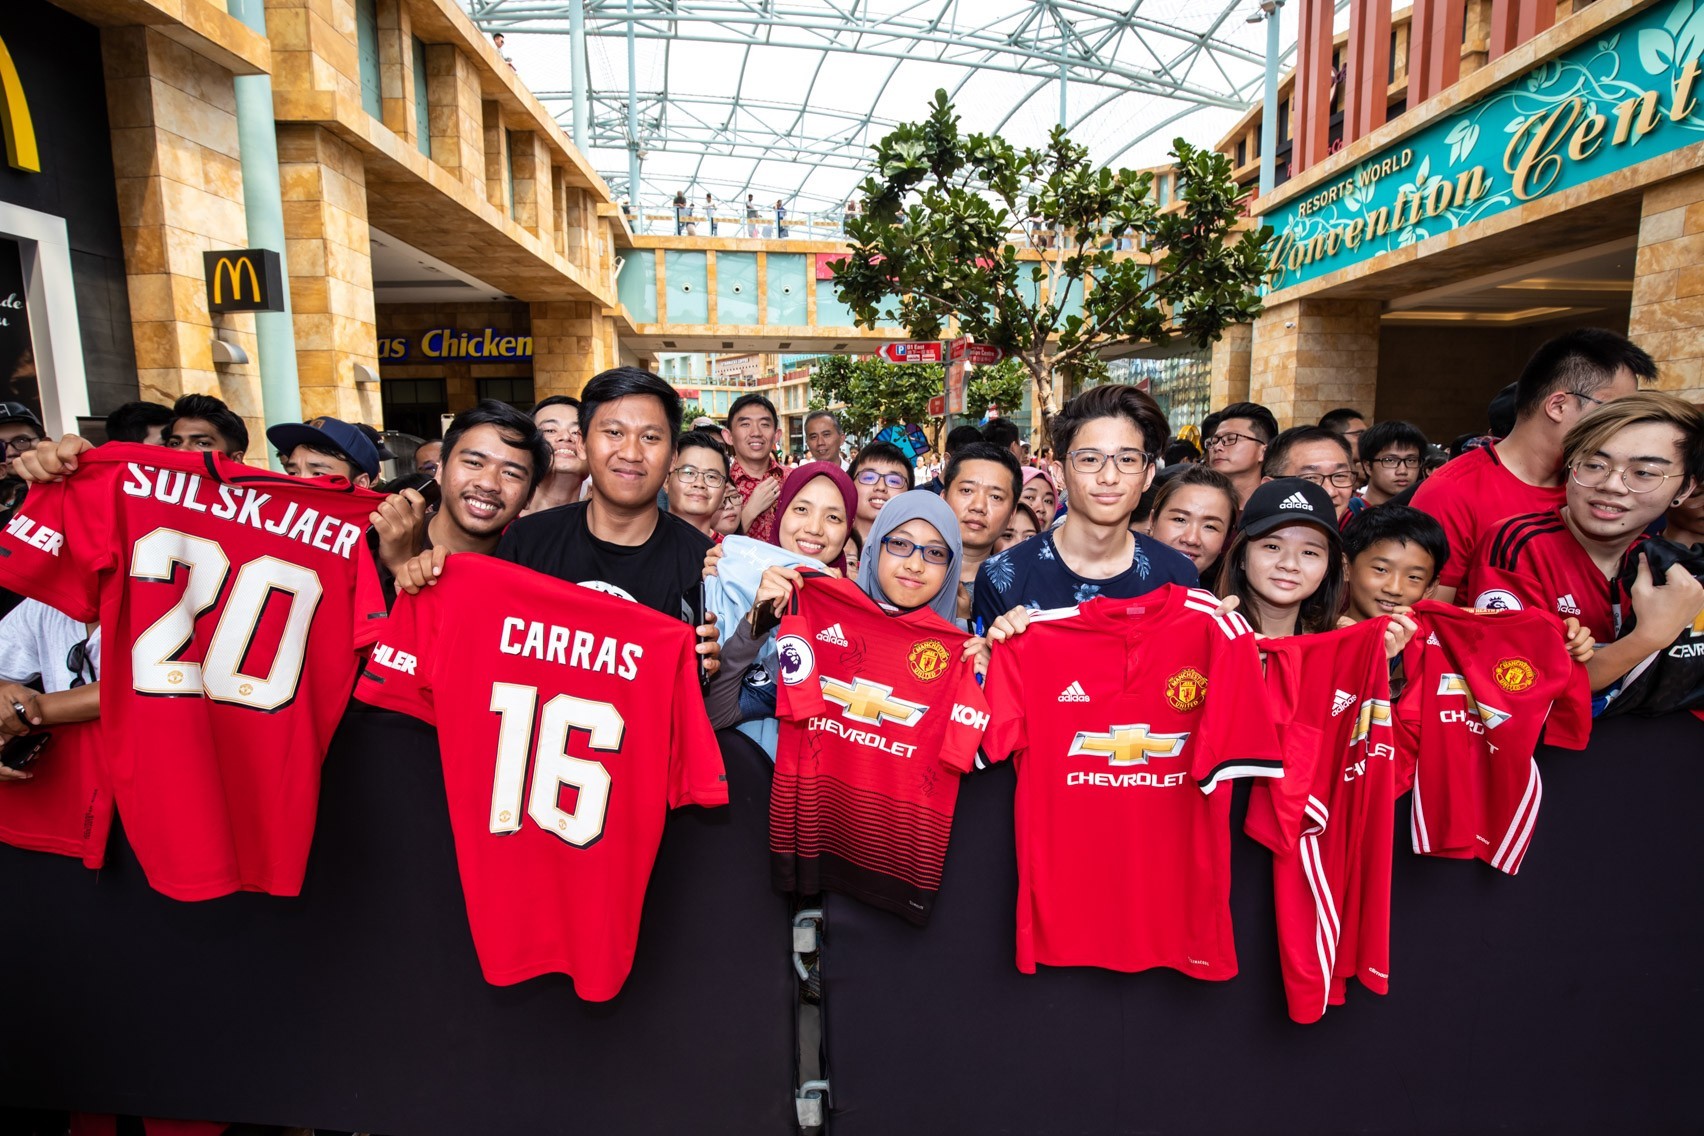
[244, 280]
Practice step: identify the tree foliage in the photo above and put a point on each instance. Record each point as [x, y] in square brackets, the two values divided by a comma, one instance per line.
[1001, 385]
[874, 391]
[1006, 244]
[688, 412]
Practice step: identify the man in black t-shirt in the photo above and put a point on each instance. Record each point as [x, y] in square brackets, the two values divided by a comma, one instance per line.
[617, 540]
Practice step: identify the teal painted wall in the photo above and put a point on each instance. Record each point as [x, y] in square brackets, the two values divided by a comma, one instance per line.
[637, 285]
[687, 275]
[736, 288]
[788, 276]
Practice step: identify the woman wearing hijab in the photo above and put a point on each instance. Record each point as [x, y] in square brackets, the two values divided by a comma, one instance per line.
[813, 520]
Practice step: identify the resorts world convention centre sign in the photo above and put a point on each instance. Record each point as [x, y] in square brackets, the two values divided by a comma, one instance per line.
[1628, 94]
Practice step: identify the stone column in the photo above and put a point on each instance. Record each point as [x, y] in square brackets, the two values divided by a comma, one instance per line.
[569, 346]
[1232, 356]
[454, 114]
[1667, 318]
[396, 69]
[496, 142]
[331, 271]
[534, 189]
[1309, 356]
[180, 193]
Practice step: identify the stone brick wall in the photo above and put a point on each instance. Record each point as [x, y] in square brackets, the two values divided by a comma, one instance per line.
[179, 180]
[1312, 355]
[1667, 318]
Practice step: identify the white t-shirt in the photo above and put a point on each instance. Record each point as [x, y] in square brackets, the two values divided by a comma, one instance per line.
[36, 640]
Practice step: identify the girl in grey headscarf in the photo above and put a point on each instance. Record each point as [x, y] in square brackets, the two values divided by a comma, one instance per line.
[912, 556]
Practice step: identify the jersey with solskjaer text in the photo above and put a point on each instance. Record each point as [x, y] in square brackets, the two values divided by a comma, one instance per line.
[231, 602]
[570, 722]
[1124, 718]
[880, 717]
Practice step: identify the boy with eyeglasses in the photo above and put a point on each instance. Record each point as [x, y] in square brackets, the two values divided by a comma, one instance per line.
[1106, 440]
[881, 472]
[698, 483]
[1391, 457]
[1316, 454]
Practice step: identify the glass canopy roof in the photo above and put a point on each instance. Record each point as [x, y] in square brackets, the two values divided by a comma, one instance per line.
[781, 98]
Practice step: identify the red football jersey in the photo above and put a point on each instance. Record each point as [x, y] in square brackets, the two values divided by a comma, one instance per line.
[1470, 496]
[1534, 561]
[1123, 716]
[66, 807]
[1482, 687]
[879, 717]
[1329, 821]
[231, 602]
[573, 722]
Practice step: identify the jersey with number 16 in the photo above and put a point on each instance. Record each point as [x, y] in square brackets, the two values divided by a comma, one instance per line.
[231, 602]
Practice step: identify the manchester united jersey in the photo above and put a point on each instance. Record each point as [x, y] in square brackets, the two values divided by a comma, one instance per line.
[570, 722]
[66, 805]
[880, 716]
[1534, 561]
[1482, 687]
[1469, 496]
[1123, 717]
[1329, 820]
[231, 602]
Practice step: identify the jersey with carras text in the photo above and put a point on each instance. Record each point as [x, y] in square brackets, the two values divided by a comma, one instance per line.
[1123, 718]
[231, 602]
[1534, 561]
[1469, 496]
[1482, 688]
[880, 717]
[1329, 821]
[570, 722]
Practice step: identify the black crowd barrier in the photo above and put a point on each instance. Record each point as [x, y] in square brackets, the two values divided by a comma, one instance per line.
[1565, 999]
[1562, 1000]
[360, 1005]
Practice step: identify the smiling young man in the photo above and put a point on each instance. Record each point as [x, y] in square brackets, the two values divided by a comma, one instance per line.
[1106, 440]
[980, 485]
[1522, 473]
[1235, 444]
[699, 480]
[757, 475]
[558, 421]
[1627, 463]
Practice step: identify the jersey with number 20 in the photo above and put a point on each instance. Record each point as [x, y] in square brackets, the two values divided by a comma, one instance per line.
[570, 722]
[231, 602]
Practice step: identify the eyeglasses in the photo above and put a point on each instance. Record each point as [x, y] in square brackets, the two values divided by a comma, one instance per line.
[1588, 398]
[1391, 461]
[873, 477]
[692, 475]
[1594, 473]
[19, 445]
[1226, 441]
[1342, 479]
[1093, 461]
[77, 661]
[900, 548]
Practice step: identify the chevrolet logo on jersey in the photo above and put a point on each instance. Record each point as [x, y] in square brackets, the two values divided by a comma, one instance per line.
[871, 702]
[1374, 712]
[1127, 745]
[1452, 684]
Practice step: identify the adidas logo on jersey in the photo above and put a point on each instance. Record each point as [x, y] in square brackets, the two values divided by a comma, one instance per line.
[1341, 701]
[1074, 693]
[1566, 605]
[1296, 500]
[833, 635]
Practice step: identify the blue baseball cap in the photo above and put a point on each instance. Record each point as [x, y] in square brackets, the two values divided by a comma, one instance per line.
[329, 434]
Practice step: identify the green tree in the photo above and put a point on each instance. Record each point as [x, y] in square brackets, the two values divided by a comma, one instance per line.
[874, 391]
[946, 215]
[688, 412]
[1001, 385]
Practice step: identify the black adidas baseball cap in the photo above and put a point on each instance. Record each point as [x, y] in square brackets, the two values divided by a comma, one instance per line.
[1288, 501]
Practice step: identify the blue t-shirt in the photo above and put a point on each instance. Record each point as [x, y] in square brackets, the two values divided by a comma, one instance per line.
[1032, 574]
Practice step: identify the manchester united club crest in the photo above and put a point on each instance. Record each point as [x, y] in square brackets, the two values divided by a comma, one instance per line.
[1514, 675]
[1187, 689]
[929, 659]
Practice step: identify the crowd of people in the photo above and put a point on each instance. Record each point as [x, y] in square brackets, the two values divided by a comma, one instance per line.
[1301, 529]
